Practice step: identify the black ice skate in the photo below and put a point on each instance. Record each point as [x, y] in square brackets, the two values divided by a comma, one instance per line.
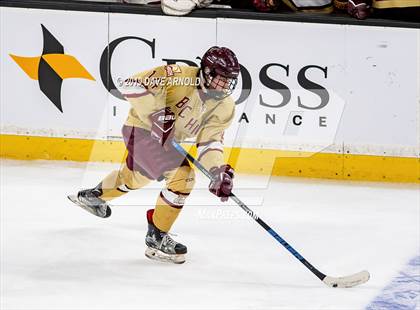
[160, 245]
[89, 200]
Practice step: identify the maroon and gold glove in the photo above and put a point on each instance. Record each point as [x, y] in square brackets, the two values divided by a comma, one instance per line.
[266, 5]
[163, 123]
[359, 9]
[222, 182]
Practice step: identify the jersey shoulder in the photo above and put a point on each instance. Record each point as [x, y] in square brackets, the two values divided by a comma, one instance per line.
[227, 104]
[224, 110]
[181, 71]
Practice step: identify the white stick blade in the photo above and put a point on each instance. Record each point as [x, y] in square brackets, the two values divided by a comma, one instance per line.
[349, 281]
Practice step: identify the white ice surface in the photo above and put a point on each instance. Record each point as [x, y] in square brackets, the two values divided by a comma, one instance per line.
[57, 256]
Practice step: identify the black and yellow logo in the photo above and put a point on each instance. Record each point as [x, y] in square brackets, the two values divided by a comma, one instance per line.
[52, 67]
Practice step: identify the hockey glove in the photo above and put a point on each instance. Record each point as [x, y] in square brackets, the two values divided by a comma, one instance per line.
[266, 5]
[222, 182]
[359, 9]
[163, 123]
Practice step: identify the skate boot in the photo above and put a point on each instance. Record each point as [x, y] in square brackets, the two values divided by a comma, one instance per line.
[160, 245]
[89, 200]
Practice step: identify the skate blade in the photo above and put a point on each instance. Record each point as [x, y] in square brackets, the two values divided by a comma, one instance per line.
[163, 257]
[73, 198]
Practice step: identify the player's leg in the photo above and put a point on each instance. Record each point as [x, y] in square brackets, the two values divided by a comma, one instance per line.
[179, 183]
[116, 184]
[120, 182]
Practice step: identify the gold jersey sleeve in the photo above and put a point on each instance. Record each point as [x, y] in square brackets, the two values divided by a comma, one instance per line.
[146, 92]
[211, 136]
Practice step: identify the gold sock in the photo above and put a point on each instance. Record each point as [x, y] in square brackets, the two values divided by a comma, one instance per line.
[165, 215]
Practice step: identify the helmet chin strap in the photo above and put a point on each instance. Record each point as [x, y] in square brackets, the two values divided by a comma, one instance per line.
[203, 85]
[202, 89]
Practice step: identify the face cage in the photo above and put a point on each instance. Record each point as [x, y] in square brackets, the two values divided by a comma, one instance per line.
[220, 94]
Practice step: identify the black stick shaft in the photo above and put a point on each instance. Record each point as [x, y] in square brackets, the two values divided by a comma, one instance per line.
[252, 214]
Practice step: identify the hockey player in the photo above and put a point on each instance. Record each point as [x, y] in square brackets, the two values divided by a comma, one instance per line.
[167, 103]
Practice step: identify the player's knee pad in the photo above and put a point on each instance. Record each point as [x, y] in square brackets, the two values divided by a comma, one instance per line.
[172, 198]
[124, 188]
[182, 180]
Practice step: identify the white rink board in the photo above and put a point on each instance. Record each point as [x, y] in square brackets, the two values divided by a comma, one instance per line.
[370, 74]
[273, 44]
[24, 108]
[372, 71]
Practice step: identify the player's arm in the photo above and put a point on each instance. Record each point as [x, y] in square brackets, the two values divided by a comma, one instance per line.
[146, 92]
[210, 149]
[145, 88]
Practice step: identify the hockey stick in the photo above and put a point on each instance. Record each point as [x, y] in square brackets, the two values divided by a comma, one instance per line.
[347, 281]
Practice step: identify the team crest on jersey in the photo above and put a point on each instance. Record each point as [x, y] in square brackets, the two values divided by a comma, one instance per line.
[172, 69]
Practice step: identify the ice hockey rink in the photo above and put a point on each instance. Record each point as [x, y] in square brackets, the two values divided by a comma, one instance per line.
[55, 255]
